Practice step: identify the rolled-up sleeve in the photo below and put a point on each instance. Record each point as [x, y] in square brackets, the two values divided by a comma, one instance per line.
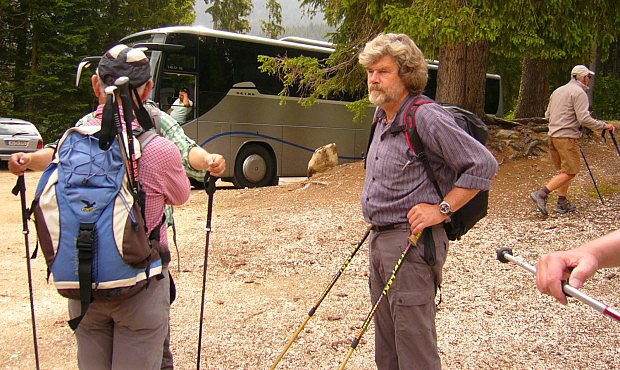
[471, 162]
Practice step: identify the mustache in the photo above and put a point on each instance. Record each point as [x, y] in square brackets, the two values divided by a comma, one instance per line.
[374, 87]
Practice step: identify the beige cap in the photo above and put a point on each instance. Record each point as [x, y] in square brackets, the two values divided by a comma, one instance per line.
[580, 71]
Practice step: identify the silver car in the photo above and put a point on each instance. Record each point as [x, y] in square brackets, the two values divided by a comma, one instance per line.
[17, 135]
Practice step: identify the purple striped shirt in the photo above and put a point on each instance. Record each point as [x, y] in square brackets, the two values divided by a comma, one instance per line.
[395, 177]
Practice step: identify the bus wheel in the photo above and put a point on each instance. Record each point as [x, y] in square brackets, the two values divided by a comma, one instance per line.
[255, 166]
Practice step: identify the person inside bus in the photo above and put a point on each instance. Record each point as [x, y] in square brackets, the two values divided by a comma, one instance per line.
[196, 160]
[182, 106]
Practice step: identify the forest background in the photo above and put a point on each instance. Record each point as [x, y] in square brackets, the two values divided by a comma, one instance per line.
[532, 44]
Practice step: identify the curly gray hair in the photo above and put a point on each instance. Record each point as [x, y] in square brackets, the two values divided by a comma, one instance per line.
[412, 66]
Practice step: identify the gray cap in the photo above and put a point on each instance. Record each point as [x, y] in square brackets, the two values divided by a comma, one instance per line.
[123, 60]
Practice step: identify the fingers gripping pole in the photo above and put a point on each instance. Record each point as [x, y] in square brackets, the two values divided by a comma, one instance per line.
[411, 242]
[209, 182]
[505, 255]
[321, 298]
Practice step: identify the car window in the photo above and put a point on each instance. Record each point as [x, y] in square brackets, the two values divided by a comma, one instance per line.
[17, 129]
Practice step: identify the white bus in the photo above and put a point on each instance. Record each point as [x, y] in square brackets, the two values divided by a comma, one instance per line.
[237, 111]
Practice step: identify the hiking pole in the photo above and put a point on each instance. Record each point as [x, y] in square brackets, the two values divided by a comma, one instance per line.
[127, 102]
[411, 242]
[591, 175]
[613, 138]
[20, 187]
[505, 255]
[318, 302]
[210, 190]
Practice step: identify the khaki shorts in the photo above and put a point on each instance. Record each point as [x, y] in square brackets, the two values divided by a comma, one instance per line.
[565, 154]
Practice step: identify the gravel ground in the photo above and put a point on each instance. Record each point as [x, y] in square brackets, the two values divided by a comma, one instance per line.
[274, 250]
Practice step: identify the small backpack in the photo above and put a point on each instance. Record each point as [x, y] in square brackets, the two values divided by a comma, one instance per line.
[462, 220]
[90, 222]
[467, 216]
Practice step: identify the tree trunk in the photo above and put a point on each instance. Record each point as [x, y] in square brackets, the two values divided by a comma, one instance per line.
[475, 76]
[595, 66]
[450, 75]
[534, 91]
[461, 76]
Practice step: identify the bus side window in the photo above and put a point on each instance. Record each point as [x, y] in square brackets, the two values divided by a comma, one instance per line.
[166, 97]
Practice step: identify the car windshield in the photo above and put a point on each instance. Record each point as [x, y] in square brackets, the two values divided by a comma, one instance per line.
[16, 129]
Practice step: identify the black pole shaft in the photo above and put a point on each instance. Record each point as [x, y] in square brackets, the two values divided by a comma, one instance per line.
[21, 188]
[210, 189]
[613, 138]
[591, 175]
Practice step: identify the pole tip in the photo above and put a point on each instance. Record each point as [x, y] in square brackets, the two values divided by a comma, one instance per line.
[501, 252]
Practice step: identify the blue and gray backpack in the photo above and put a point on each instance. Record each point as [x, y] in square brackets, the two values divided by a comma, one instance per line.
[90, 222]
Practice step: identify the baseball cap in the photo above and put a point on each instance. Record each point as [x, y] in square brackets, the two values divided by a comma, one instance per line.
[122, 60]
[580, 71]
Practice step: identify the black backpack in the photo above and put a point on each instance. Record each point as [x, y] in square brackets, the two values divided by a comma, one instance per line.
[476, 209]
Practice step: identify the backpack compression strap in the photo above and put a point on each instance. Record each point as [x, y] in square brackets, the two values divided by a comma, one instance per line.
[84, 246]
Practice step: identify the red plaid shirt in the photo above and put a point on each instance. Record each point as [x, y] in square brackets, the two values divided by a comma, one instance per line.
[162, 176]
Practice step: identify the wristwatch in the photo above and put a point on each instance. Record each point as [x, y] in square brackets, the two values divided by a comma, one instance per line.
[444, 207]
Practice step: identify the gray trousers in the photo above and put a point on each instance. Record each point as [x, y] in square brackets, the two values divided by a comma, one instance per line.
[124, 334]
[405, 335]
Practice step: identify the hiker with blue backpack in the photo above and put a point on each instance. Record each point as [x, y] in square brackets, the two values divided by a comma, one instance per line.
[99, 176]
[196, 160]
[399, 199]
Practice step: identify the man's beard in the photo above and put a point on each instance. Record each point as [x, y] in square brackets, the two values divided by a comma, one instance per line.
[379, 96]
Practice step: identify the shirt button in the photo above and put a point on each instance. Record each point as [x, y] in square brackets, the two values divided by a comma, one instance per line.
[376, 158]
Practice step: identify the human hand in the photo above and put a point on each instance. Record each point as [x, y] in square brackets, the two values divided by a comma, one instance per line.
[610, 127]
[552, 269]
[18, 163]
[424, 215]
[216, 164]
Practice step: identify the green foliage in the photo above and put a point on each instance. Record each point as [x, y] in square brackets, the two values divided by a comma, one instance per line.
[607, 98]
[42, 41]
[230, 15]
[272, 28]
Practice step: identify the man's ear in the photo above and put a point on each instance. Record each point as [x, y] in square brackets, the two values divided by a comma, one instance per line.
[147, 90]
[94, 81]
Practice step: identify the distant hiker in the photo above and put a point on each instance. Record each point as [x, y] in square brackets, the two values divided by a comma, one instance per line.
[567, 112]
[399, 199]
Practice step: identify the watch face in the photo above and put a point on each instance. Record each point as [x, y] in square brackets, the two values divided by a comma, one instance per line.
[444, 208]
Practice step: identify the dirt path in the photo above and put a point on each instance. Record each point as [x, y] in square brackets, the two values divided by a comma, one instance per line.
[273, 251]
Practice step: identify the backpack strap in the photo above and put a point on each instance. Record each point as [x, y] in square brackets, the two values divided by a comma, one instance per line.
[415, 142]
[84, 246]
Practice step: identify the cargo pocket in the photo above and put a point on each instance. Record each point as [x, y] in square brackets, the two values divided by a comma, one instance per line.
[414, 313]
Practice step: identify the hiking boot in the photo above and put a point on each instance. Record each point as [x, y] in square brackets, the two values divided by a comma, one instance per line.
[565, 206]
[540, 198]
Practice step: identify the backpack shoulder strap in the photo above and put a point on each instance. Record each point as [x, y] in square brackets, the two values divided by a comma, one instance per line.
[415, 142]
